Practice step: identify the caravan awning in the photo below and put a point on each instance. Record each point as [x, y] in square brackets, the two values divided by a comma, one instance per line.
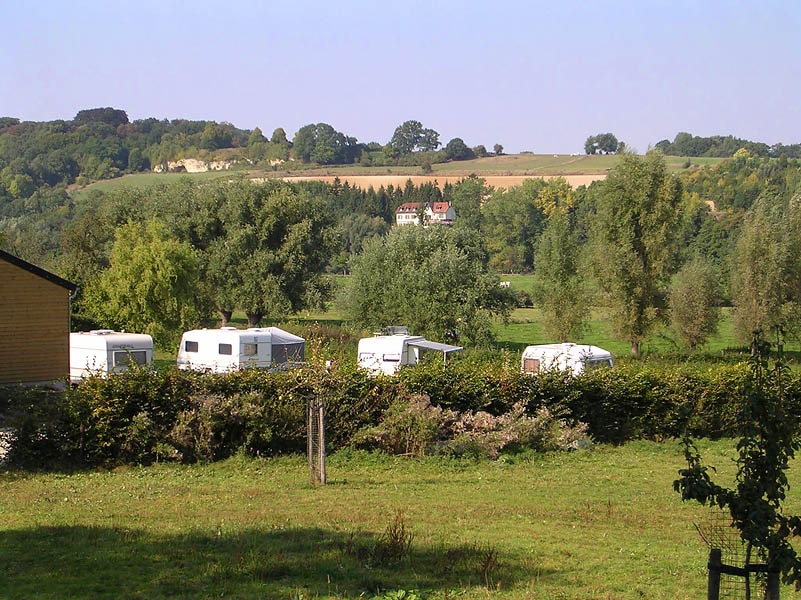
[427, 345]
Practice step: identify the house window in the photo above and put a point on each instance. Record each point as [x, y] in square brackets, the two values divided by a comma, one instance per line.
[226, 349]
[249, 349]
[130, 357]
[190, 346]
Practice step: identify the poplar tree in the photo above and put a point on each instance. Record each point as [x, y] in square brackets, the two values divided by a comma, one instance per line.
[635, 236]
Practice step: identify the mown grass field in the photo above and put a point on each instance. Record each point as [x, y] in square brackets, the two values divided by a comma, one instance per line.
[600, 523]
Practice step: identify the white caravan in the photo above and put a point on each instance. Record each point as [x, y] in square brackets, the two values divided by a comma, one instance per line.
[229, 349]
[575, 358]
[386, 354]
[104, 351]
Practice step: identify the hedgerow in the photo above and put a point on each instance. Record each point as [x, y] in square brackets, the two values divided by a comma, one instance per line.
[145, 416]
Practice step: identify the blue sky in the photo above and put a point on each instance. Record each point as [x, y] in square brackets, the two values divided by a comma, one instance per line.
[530, 75]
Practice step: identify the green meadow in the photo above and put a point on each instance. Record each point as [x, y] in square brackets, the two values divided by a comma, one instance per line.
[597, 523]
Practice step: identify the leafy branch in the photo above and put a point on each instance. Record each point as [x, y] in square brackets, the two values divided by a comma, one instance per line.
[767, 444]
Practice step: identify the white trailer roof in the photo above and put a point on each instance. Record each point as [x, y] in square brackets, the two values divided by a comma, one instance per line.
[101, 338]
[277, 336]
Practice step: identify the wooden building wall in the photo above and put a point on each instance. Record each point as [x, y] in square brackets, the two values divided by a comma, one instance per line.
[34, 327]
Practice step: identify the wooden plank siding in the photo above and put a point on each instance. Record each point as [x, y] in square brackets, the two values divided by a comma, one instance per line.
[34, 326]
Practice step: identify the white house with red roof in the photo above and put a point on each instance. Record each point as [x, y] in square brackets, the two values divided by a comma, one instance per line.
[439, 213]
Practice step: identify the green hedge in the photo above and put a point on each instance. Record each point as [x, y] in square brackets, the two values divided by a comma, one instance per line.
[145, 416]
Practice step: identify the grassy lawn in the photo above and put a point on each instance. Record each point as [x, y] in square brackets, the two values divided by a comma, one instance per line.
[597, 523]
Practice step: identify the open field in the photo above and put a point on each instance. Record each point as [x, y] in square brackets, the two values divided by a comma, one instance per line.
[499, 171]
[602, 523]
[496, 181]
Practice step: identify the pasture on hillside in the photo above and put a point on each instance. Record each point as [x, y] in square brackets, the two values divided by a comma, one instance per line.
[599, 523]
[500, 171]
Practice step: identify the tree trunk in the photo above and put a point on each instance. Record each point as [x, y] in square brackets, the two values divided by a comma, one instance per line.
[772, 587]
[254, 319]
[225, 316]
[635, 348]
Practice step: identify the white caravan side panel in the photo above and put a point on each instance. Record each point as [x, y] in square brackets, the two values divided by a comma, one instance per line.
[386, 354]
[103, 352]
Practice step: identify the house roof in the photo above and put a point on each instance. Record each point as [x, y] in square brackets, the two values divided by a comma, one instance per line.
[408, 207]
[413, 207]
[31, 268]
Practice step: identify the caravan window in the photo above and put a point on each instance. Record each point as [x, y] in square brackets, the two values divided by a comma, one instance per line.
[598, 363]
[392, 358]
[226, 349]
[190, 346]
[130, 357]
[249, 350]
[531, 365]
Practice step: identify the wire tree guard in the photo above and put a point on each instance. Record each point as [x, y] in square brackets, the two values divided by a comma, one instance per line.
[315, 420]
[731, 574]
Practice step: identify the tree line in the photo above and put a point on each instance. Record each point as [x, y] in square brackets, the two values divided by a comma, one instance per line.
[39, 159]
[647, 245]
[723, 146]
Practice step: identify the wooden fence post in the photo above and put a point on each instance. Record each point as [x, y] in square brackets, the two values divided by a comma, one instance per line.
[713, 578]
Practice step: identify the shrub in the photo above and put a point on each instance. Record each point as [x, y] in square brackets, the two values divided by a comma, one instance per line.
[413, 426]
[44, 432]
[468, 407]
[215, 427]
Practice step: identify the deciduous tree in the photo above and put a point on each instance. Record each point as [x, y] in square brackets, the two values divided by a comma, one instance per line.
[603, 143]
[433, 280]
[766, 276]
[512, 220]
[324, 145]
[411, 135]
[695, 302]
[151, 285]
[269, 256]
[767, 445]
[635, 243]
[467, 196]
[559, 283]
[456, 149]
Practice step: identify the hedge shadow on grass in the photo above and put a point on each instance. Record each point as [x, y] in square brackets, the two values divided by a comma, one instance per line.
[102, 562]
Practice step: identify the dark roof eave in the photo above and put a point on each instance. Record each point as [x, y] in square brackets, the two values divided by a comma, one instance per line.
[31, 268]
